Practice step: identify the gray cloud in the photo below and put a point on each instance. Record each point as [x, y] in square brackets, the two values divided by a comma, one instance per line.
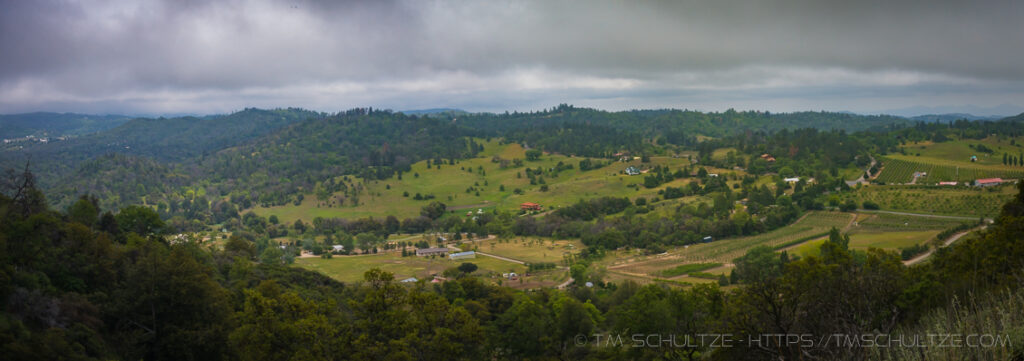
[199, 56]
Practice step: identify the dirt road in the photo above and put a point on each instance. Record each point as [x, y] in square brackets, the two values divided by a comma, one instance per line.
[948, 242]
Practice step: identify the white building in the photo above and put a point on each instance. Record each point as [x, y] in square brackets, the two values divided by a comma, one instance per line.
[462, 255]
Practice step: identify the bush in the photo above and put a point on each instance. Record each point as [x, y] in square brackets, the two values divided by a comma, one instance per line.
[870, 205]
[467, 267]
[848, 206]
[912, 251]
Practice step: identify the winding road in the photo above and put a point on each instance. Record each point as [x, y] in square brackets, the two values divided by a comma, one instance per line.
[948, 242]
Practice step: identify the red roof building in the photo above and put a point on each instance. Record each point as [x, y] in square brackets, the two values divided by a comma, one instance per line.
[988, 182]
[527, 206]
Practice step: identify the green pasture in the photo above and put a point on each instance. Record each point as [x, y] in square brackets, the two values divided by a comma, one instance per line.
[723, 250]
[529, 249]
[959, 152]
[352, 268]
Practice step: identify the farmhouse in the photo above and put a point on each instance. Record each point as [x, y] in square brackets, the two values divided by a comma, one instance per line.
[792, 180]
[529, 206]
[431, 251]
[338, 248]
[462, 255]
[986, 182]
[947, 183]
[631, 170]
[768, 158]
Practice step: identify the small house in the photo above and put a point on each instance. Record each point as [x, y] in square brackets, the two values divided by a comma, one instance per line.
[947, 183]
[707, 239]
[791, 180]
[440, 251]
[715, 175]
[338, 248]
[631, 170]
[529, 206]
[462, 255]
[409, 280]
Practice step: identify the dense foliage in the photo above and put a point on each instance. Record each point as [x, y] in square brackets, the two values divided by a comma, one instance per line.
[85, 285]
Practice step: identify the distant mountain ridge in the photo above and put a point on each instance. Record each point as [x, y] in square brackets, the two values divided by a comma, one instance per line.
[272, 155]
[48, 124]
[435, 111]
[948, 117]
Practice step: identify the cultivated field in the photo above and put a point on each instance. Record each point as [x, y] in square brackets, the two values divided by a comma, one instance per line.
[900, 169]
[946, 200]
[813, 225]
[887, 231]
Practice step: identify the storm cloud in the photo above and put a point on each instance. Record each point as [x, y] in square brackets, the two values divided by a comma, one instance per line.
[154, 57]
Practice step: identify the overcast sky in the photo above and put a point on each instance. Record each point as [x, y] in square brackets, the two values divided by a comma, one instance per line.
[172, 57]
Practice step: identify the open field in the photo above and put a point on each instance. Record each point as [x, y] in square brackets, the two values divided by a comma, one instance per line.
[891, 240]
[351, 268]
[959, 200]
[862, 241]
[886, 231]
[885, 222]
[959, 152]
[725, 250]
[529, 249]
[689, 268]
[481, 183]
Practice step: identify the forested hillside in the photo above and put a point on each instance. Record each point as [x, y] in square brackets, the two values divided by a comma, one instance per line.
[193, 138]
[101, 286]
[273, 157]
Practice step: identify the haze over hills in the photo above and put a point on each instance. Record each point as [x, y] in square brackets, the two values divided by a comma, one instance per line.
[49, 124]
[46, 124]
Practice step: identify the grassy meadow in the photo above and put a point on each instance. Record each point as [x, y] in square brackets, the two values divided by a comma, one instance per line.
[351, 268]
[481, 183]
[720, 253]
